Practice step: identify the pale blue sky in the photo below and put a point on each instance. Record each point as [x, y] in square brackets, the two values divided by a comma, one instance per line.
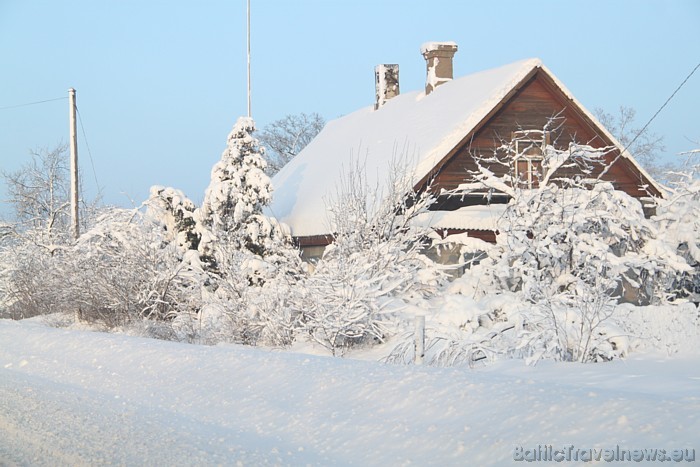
[160, 83]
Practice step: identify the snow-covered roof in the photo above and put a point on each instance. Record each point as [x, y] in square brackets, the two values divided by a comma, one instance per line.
[413, 130]
[480, 217]
[435, 45]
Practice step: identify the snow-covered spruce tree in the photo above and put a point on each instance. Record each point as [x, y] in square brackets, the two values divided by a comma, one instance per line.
[237, 193]
[248, 257]
[374, 265]
[570, 247]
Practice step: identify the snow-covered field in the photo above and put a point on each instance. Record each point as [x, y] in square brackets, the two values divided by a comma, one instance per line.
[71, 397]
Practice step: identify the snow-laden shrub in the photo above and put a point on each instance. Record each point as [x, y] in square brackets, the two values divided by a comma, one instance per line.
[31, 276]
[125, 269]
[272, 318]
[670, 328]
[576, 327]
[567, 249]
[463, 331]
[121, 270]
[176, 213]
[373, 265]
[678, 217]
[246, 302]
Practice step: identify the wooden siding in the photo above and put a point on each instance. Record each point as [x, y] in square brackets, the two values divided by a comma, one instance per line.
[485, 235]
[313, 240]
[530, 108]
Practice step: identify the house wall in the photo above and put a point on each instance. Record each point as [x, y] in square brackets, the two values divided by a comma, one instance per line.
[536, 102]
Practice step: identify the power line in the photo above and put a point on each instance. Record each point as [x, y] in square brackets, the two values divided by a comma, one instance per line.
[662, 107]
[92, 164]
[32, 103]
[640, 132]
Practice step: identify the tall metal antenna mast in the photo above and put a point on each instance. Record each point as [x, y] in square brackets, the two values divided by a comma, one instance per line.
[249, 110]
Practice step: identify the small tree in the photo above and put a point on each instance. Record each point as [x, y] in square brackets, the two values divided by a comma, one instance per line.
[39, 195]
[238, 191]
[645, 146]
[286, 137]
[248, 257]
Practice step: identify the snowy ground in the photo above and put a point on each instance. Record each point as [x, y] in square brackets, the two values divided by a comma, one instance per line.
[85, 398]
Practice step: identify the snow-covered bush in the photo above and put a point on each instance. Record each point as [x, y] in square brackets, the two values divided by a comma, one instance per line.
[572, 253]
[31, 275]
[122, 269]
[176, 213]
[373, 266]
[246, 302]
[678, 217]
[568, 248]
[125, 269]
[670, 328]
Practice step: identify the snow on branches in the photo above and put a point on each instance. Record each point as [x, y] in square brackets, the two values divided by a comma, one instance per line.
[678, 216]
[373, 267]
[177, 213]
[569, 247]
[231, 213]
[239, 187]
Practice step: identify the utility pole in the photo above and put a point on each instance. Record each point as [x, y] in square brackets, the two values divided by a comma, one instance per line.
[73, 166]
[249, 109]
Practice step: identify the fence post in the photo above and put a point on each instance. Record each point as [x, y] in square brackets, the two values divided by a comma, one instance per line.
[419, 344]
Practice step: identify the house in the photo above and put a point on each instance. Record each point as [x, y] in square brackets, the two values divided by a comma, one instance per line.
[438, 133]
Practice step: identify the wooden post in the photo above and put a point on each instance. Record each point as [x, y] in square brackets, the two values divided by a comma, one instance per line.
[419, 344]
[73, 166]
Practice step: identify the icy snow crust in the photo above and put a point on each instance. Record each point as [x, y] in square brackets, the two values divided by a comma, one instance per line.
[72, 397]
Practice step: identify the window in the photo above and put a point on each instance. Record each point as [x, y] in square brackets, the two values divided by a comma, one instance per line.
[529, 152]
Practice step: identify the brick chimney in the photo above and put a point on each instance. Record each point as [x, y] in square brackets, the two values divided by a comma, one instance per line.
[386, 79]
[438, 60]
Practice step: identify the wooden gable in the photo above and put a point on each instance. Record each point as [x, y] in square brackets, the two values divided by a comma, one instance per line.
[529, 106]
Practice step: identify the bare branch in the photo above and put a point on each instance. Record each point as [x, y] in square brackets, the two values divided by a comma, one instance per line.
[285, 138]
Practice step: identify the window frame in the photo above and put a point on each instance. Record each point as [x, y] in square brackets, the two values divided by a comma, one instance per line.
[521, 141]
